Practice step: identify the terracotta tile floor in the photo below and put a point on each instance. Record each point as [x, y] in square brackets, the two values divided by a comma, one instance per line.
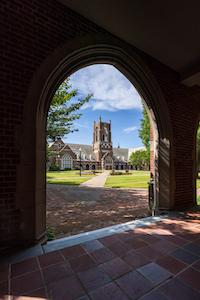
[157, 262]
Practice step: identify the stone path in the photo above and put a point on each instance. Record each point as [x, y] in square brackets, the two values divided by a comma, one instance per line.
[97, 181]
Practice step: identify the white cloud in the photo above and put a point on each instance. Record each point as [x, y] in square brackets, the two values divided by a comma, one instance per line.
[130, 129]
[110, 88]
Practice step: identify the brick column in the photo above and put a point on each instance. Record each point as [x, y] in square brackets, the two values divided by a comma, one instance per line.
[152, 168]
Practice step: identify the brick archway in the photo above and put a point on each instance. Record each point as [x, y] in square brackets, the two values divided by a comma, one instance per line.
[195, 160]
[62, 63]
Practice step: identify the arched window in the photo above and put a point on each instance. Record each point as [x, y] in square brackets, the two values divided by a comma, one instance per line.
[96, 135]
[66, 162]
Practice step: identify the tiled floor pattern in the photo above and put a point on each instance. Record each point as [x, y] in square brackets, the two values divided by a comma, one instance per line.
[156, 262]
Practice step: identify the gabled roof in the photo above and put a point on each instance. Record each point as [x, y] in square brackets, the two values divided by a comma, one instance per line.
[120, 153]
[85, 149]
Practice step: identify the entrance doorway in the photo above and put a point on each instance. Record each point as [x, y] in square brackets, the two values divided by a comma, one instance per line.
[69, 149]
[151, 96]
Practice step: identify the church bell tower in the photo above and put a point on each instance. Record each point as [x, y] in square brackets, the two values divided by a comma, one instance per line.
[102, 140]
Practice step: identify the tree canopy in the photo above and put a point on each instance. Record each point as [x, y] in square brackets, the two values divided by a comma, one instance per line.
[63, 111]
[144, 131]
[140, 159]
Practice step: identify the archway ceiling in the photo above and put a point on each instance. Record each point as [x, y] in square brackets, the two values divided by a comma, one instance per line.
[167, 30]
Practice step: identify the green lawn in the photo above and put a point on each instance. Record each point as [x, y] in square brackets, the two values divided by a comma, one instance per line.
[71, 177]
[198, 200]
[198, 187]
[138, 179]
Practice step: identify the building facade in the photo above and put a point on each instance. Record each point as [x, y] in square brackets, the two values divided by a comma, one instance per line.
[100, 155]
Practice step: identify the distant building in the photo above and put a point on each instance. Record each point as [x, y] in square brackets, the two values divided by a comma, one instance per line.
[99, 155]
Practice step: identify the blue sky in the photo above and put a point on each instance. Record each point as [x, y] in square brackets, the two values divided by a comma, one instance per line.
[114, 98]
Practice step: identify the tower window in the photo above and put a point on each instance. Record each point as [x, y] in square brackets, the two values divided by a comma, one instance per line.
[96, 135]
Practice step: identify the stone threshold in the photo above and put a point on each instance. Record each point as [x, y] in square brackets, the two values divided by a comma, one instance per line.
[82, 238]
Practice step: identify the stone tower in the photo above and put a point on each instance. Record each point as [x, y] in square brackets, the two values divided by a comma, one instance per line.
[102, 140]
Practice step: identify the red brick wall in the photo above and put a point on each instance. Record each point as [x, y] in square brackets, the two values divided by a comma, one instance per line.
[184, 108]
[30, 31]
[151, 152]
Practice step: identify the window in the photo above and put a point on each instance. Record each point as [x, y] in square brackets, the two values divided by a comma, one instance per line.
[66, 162]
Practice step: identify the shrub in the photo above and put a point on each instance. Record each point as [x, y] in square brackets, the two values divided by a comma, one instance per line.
[50, 233]
[120, 173]
[54, 167]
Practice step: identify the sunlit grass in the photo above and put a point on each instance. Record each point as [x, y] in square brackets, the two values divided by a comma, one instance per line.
[71, 177]
[138, 179]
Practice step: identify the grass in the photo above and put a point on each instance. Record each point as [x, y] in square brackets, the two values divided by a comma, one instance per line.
[198, 200]
[70, 177]
[138, 179]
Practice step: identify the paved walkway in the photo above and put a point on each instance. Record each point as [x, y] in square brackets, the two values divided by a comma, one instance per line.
[72, 210]
[156, 261]
[97, 181]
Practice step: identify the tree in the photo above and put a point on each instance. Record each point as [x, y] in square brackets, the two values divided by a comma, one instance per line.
[63, 111]
[144, 131]
[140, 159]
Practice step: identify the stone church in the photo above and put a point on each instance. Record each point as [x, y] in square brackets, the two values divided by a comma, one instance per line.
[100, 155]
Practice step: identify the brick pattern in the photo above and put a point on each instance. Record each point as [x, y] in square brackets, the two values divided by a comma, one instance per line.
[152, 153]
[30, 31]
[79, 273]
[183, 104]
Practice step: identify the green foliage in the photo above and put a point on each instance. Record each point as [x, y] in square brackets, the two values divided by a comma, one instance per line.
[144, 131]
[114, 172]
[50, 233]
[54, 167]
[63, 111]
[49, 153]
[140, 159]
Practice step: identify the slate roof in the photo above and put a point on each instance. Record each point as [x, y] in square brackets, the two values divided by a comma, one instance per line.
[85, 149]
[122, 153]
